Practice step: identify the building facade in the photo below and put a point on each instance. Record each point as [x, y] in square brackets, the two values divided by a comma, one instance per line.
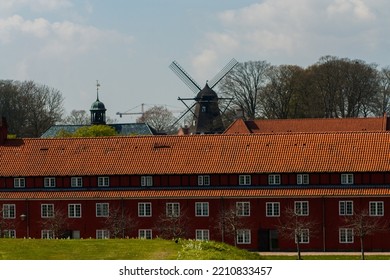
[235, 187]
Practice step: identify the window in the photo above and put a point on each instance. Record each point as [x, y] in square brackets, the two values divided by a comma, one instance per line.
[173, 209]
[302, 179]
[243, 236]
[201, 209]
[144, 209]
[103, 181]
[302, 236]
[19, 182]
[102, 209]
[274, 179]
[272, 209]
[346, 208]
[76, 182]
[302, 208]
[376, 208]
[203, 180]
[243, 208]
[346, 235]
[9, 211]
[202, 234]
[347, 179]
[74, 210]
[102, 234]
[244, 180]
[146, 181]
[9, 233]
[145, 233]
[47, 234]
[49, 182]
[47, 210]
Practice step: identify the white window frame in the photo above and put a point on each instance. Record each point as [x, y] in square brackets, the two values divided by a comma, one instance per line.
[203, 180]
[345, 207]
[47, 234]
[243, 208]
[103, 181]
[102, 209]
[377, 208]
[145, 234]
[19, 182]
[9, 233]
[49, 182]
[244, 236]
[102, 234]
[146, 181]
[144, 209]
[272, 209]
[303, 179]
[301, 208]
[76, 182]
[202, 234]
[172, 209]
[304, 237]
[201, 209]
[9, 211]
[347, 179]
[244, 180]
[47, 210]
[274, 179]
[74, 210]
[346, 235]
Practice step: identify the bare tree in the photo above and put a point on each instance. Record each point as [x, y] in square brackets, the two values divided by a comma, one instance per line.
[364, 225]
[7, 222]
[172, 224]
[57, 223]
[158, 117]
[120, 223]
[77, 117]
[297, 227]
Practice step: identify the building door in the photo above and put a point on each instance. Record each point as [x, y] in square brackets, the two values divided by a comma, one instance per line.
[75, 234]
[264, 238]
[274, 240]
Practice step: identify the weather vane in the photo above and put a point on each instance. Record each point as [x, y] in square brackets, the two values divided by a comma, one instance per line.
[97, 89]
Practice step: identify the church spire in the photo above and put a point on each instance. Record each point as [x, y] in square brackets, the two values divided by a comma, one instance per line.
[98, 110]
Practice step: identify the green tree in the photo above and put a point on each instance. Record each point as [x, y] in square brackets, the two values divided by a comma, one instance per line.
[95, 131]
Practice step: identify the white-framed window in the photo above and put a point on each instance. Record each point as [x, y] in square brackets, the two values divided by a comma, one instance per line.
[302, 235]
[47, 210]
[243, 236]
[9, 233]
[203, 180]
[347, 179]
[103, 181]
[74, 210]
[345, 207]
[49, 182]
[346, 235]
[272, 209]
[243, 208]
[302, 179]
[19, 182]
[145, 234]
[244, 180]
[9, 211]
[47, 234]
[274, 179]
[301, 208]
[102, 234]
[76, 182]
[144, 209]
[202, 234]
[376, 208]
[102, 209]
[146, 181]
[201, 209]
[173, 209]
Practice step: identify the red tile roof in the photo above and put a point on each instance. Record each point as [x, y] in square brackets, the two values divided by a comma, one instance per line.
[308, 125]
[195, 193]
[197, 154]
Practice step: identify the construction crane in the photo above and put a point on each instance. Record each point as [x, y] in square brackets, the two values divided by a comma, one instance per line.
[133, 113]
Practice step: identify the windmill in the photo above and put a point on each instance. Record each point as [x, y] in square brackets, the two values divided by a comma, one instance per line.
[206, 113]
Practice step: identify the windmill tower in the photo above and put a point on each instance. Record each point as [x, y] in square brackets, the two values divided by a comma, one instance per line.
[206, 113]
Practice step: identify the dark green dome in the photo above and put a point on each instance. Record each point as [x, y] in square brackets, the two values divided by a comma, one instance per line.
[98, 106]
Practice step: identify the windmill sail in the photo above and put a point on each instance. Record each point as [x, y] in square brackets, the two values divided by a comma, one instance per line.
[222, 73]
[185, 77]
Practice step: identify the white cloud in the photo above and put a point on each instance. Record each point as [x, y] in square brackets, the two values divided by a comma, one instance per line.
[355, 8]
[34, 5]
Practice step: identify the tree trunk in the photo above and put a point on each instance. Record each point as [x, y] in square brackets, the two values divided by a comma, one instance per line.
[362, 247]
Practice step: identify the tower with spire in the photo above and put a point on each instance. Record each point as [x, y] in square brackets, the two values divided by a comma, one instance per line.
[98, 110]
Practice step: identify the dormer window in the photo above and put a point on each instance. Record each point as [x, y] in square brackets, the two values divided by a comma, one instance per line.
[146, 181]
[103, 181]
[203, 180]
[19, 182]
[49, 182]
[274, 179]
[244, 180]
[347, 179]
[302, 179]
[76, 182]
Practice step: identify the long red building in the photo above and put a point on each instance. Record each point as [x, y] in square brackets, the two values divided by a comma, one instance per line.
[325, 175]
